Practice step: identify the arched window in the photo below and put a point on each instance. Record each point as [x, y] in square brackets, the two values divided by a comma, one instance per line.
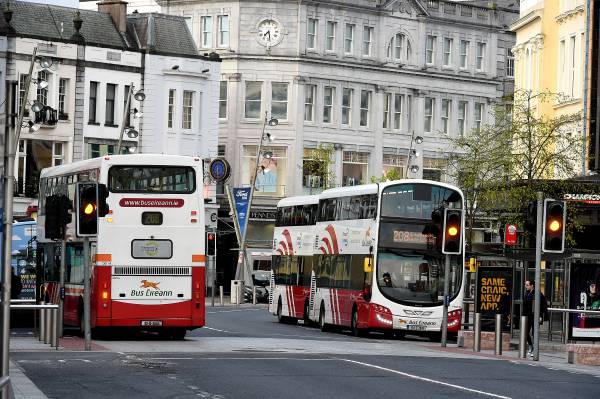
[399, 48]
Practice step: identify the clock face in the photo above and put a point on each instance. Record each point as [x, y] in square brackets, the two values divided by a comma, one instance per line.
[269, 32]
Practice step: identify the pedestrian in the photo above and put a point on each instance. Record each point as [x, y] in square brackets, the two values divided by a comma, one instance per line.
[528, 310]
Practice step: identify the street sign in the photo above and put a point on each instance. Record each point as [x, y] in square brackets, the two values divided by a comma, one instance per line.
[493, 290]
[241, 198]
[219, 170]
[510, 234]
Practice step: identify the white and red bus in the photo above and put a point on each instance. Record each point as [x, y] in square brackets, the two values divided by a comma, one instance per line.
[148, 259]
[377, 261]
[293, 243]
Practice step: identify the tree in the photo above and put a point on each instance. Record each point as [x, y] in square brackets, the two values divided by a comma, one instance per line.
[500, 166]
[317, 167]
[389, 175]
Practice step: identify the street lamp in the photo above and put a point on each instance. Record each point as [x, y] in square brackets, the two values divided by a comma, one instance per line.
[264, 138]
[414, 169]
[138, 96]
[11, 148]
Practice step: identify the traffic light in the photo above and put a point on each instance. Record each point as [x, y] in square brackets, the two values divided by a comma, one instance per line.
[531, 218]
[452, 235]
[87, 209]
[553, 235]
[211, 244]
[52, 218]
[102, 196]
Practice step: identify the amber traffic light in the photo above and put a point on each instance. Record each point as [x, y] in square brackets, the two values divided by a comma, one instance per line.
[553, 235]
[452, 236]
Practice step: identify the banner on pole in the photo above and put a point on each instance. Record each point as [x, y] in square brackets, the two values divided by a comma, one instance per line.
[241, 198]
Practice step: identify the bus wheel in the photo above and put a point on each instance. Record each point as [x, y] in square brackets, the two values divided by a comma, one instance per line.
[357, 332]
[322, 325]
[280, 317]
[178, 334]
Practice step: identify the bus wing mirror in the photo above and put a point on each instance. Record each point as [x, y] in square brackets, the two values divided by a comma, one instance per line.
[367, 265]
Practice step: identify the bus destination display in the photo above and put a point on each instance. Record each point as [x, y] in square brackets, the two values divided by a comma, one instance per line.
[152, 218]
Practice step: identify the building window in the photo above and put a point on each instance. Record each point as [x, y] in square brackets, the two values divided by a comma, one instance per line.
[93, 102]
[279, 99]
[223, 23]
[462, 117]
[253, 100]
[367, 41]
[223, 99]
[394, 163]
[311, 34]
[446, 110]
[309, 102]
[347, 106]
[328, 98]
[429, 104]
[478, 115]
[63, 87]
[33, 156]
[464, 48]
[562, 69]
[365, 105]
[349, 39]
[22, 84]
[448, 51]
[387, 104]
[355, 168]
[96, 150]
[189, 23]
[109, 116]
[399, 48]
[397, 111]
[572, 61]
[510, 63]
[433, 169]
[330, 36]
[207, 31]
[271, 174]
[430, 49]
[480, 64]
[42, 94]
[128, 110]
[187, 108]
[171, 109]
[313, 182]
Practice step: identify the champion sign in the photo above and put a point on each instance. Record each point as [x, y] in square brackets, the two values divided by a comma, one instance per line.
[587, 198]
[151, 202]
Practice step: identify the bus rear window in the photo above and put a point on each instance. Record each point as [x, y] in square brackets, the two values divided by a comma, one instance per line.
[152, 179]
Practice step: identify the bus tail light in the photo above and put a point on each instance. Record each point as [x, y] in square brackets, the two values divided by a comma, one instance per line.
[104, 294]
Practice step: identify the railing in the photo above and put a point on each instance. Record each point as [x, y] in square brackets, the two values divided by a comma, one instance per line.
[48, 322]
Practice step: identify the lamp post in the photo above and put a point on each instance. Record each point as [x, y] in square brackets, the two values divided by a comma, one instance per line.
[10, 150]
[413, 152]
[263, 137]
[131, 133]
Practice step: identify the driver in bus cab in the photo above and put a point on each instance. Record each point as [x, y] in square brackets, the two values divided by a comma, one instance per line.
[387, 279]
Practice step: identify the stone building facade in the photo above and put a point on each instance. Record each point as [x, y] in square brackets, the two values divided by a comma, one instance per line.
[361, 76]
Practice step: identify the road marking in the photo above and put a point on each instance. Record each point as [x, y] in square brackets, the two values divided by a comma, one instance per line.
[237, 310]
[216, 329]
[169, 358]
[416, 377]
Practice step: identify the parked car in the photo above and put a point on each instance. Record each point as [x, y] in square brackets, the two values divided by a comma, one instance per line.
[260, 279]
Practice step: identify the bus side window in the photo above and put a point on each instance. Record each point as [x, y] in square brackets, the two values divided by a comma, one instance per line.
[286, 216]
[278, 218]
[293, 277]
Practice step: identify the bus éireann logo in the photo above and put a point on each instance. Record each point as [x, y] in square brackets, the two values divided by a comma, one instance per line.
[330, 246]
[149, 284]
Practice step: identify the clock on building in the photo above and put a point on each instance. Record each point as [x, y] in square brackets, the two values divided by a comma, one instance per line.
[269, 32]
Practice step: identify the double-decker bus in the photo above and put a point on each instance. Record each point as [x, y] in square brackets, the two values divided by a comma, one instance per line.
[293, 243]
[148, 259]
[377, 260]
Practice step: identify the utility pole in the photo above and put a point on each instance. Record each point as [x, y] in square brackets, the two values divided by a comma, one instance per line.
[538, 277]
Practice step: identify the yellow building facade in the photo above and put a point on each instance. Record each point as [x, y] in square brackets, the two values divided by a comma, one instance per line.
[550, 56]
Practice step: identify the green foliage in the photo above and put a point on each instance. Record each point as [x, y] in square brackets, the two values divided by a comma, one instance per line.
[391, 174]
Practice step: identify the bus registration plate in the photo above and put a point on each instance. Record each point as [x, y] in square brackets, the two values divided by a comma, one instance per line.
[151, 323]
[415, 327]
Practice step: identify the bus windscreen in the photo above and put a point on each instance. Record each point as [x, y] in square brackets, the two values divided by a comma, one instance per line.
[417, 200]
[152, 179]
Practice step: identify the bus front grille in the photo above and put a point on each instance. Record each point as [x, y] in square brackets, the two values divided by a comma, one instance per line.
[151, 271]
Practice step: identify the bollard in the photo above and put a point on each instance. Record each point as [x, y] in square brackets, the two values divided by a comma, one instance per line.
[221, 294]
[42, 313]
[254, 295]
[523, 337]
[477, 333]
[53, 327]
[498, 348]
[48, 323]
[212, 291]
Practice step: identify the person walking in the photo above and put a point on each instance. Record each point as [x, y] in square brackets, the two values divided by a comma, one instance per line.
[528, 310]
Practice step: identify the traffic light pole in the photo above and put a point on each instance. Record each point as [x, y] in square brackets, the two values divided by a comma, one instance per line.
[446, 300]
[86, 293]
[61, 287]
[538, 275]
